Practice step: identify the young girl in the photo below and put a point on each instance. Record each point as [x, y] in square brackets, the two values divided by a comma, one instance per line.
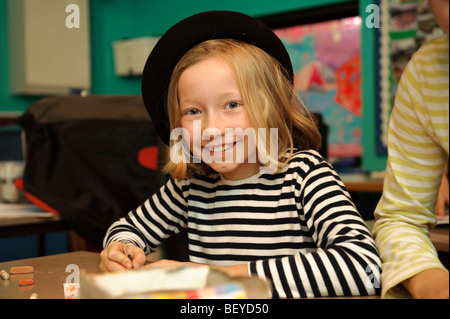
[294, 224]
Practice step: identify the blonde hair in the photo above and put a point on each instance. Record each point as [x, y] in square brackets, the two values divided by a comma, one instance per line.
[267, 94]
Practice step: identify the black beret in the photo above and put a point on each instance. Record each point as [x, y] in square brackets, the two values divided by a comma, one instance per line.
[185, 35]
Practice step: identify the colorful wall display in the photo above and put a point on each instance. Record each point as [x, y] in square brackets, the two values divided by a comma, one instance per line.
[405, 26]
[327, 66]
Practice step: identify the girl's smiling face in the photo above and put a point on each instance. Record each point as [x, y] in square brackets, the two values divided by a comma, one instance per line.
[211, 105]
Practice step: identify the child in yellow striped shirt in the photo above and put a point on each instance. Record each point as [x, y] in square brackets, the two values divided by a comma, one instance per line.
[418, 146]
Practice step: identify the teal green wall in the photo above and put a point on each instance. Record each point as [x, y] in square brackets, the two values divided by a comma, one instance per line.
[371, 161]
[118, 19]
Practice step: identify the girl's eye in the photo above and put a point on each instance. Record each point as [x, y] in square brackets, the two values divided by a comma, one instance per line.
[232, 105]
[193, 112]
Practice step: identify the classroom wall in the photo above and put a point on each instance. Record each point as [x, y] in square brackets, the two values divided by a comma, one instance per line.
[371, 160]
[118, 19]
[112, 20]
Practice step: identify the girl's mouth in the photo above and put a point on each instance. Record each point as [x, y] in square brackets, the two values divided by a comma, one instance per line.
[219, 148]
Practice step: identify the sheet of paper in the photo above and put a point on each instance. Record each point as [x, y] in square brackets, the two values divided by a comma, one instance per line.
[22, 210]
[154, 279]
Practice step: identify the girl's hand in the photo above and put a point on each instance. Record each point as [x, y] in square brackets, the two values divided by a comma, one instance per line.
[119, 256]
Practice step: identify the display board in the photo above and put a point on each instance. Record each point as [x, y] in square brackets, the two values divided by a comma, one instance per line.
[405, 26]
[327, 76]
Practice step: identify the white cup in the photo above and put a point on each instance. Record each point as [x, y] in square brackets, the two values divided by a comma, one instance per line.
[9, 171]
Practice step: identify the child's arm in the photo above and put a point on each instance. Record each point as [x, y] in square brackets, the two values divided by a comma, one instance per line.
[148, 225]
[443, 195]
[429, 284]
[346, 261]
[416, 161]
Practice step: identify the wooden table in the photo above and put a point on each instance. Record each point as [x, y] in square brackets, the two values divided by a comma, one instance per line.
[440, 238]
[49, 274]
[360, 182]
[24, 226]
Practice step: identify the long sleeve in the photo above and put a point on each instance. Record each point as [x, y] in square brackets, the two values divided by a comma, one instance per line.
[162, 215]
[418, 147]
[344, 260]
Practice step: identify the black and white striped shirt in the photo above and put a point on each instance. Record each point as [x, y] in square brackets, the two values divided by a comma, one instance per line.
[299, 228]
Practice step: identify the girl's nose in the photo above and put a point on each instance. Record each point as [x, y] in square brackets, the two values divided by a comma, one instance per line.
[212, 125]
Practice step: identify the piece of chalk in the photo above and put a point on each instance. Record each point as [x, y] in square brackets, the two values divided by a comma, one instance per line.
[26, 282]
[34, 296]
[21, 270]
[4, 274]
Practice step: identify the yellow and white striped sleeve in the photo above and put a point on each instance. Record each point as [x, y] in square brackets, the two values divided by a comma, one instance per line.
[418, 146]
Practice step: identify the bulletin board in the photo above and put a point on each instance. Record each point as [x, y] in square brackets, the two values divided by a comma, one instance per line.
[327, 76]
[405, 26]
[327, 57]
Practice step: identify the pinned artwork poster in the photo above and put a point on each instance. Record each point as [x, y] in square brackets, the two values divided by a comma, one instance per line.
[327, 76]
